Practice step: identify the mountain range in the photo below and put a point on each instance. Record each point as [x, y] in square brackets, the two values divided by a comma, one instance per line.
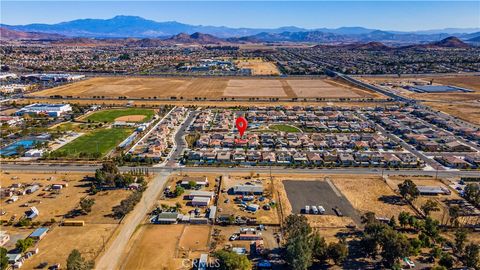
[138, 27]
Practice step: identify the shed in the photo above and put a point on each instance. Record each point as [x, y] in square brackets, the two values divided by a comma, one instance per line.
[166, 218]
[212, 212]
[200, 193]
[200, 201]
[32, 213]
[39, 233]
[433, 190]
[32, 189]
[248, 189]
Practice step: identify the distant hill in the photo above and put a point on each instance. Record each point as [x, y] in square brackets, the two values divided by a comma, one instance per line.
[450, 42]
[8, 34]
[475, 39]
[138, 27]
[195, 38]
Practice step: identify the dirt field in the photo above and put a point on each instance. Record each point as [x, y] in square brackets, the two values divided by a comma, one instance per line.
[130, 118]
[155, 248]
[49, 205]
[465, 106]
[59, 242]
[194, 241]
[203, 88]
[370, 194]
[258, 66]
[254, 88]
[320, 88]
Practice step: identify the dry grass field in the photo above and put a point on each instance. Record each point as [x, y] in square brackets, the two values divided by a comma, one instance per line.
[254, 88]
[205, 88]
[465, 106]
[60, 241]
[258, 66]
[155, 248]
[370, 194]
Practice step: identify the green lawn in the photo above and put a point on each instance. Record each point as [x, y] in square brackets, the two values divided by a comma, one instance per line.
[94, 144]
[285, 128]
[110, 115]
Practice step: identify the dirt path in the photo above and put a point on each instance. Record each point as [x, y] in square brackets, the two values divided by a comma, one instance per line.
[116, 249]
[288, 89]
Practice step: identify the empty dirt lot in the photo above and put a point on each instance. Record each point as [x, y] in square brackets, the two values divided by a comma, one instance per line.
[258, 66]
[205, 88]
[156, 246]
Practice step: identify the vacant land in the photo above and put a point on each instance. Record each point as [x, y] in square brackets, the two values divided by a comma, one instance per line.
[59, 242]
[254, 88]
[98, 141]
[127, 115]
[155, 248]
[205, 88]
[371, 194]
[465, 106]
[258, 66]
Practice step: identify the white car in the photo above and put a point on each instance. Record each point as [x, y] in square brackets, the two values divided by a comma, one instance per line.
[314, 210]
[321, 210]
[408, 263]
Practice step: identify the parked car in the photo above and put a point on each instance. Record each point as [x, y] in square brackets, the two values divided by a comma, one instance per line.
[233, 237]
[321, 210]
[409, 263]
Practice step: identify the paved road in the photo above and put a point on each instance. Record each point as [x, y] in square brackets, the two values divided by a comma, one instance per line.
[110, 259]
[275, 170]
[180, 143]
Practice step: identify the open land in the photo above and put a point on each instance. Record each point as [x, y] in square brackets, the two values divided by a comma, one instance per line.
[127, 115]
[258, 66]
[155, 248]
[61, 240]
[209, 88]
[465, 106]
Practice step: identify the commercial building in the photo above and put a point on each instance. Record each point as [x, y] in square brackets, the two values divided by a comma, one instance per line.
[52, 110]
[247, 189]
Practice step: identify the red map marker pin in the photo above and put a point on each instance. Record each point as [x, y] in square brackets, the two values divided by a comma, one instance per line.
[241, 124]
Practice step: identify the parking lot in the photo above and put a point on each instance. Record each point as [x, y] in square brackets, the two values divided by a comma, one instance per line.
[302, 193]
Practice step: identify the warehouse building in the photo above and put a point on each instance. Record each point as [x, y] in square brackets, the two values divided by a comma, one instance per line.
[52, 110]
[247, 189]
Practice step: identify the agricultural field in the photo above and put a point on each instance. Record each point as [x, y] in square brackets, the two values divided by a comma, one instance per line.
[96, 143]
[205, 88]
[125, 115]
[258, 66]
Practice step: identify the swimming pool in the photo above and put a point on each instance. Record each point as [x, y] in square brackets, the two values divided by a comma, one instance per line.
[11, 149]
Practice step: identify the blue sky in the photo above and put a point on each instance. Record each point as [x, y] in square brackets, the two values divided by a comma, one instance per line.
[386, 15]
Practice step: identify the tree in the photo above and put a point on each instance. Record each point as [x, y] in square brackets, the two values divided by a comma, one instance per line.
[3, 258]
[460, 238]
[472, 193]
[430, 227]
[192, 184]
[454, 212]
[394, 246]
[319, 248]
[392, 222]
[403, 218]
[23, 244]
[86, 205]
[338, 252]
[75, 261]
[231, 260]
[430, 206]
[298, 247]
[471, 257]
[179, 191]
[446, 260]
[408, 190]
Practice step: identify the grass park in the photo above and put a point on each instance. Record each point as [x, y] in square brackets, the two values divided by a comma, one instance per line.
[284, 128]
[128, 115]
[95, 144]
